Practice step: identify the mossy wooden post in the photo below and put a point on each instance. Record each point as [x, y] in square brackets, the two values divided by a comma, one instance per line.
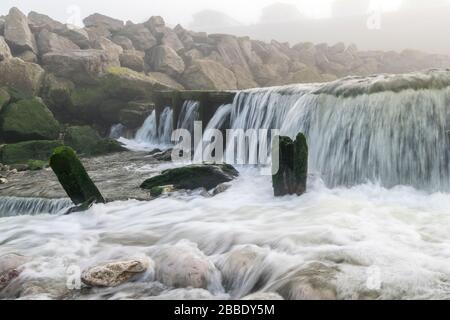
[292, 173]
[73, 177]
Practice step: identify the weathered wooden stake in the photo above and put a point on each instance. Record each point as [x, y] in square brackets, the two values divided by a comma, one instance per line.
[73, 177]
[292, 173]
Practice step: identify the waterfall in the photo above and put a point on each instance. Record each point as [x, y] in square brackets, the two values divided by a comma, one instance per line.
[386, 129]
[116, 131]
[189, 114]
[13, 206]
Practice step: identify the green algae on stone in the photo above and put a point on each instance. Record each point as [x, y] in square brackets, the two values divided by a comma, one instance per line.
[73, 176]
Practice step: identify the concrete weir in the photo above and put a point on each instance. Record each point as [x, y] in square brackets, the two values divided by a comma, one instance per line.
[209, 102]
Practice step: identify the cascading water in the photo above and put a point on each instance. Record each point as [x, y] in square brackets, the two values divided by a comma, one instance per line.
[13, 206]
[189, 114]
[386, 129]
[360, 242]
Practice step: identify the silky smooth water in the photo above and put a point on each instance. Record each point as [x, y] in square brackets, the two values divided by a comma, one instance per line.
[374, 223]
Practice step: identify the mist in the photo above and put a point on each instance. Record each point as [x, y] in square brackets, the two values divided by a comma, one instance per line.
[370, 24]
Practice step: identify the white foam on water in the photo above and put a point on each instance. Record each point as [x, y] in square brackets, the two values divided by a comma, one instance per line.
[403, 234]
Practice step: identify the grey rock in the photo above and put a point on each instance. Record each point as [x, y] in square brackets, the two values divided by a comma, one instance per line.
[17, 32]
[48, 41]
[116, 273]
[97, 19]
[140, 36]
[77, 35]
[22, 76]
[165, 59]
[133, 60]
[123, 41]
[39, 22]
[5, 52]
[208, 75]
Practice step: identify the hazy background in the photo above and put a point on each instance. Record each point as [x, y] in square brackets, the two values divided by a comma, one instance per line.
[370, 24]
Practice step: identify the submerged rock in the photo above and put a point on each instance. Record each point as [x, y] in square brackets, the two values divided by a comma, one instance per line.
[73, 177]
[292, 172]
[263, 296]
[185, 266]
[10, 268]
[193, 177]
[116, 273]
[312, 282]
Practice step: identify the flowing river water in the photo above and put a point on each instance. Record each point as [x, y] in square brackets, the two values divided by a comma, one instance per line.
[374, 223]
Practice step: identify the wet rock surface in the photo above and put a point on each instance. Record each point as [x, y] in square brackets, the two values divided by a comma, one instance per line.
[119, 180]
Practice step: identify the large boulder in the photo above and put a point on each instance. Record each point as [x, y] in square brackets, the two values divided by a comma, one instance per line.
[57, 95]
[165, 59]
[96, 20]
[5, 52]
[166, 80]
[208, 75]
[164, 35]
[18, 33]
[134, 115]
[185, 266]
[123, 41]
[305, 75]
[133, 60]
[28, 120]
[125, 84]
[83, 66]
[21, 76]
[86, 141]
[140, 36]
[73, 177]
[207, 176]
[77, 35]
[48, 41]
[23, 152]
[28, 56]
[230, 51]
[112, 50]
[5, 97]
[39, 22]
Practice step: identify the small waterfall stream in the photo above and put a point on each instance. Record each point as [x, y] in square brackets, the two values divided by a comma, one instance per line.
[14, 206]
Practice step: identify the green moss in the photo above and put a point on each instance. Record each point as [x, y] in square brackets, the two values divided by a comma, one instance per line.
[83, 139]
[28, 120]
[193, 177]
[156, 191]
[86, 141]
[57, 95]
[73, 177]
[4, 98]
[292, 171]
[35, 165]
[86, 100]
[22, 153]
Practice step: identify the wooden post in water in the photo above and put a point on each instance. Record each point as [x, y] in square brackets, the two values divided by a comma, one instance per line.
[73, 177]
[292, 173]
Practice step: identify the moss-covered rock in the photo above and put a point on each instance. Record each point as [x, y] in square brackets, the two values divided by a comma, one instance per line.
[85, 102]
[73, 176]
[4, 98]
[35, 165]
[134, 115]
[291, 171]
[192, 177]
[86, 141]
[126, 84]
[28, 120]
[24, 152]
[57, 95]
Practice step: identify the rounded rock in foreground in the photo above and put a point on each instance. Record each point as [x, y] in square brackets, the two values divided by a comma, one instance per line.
[263, 296]
[116, 273]
[185, 266]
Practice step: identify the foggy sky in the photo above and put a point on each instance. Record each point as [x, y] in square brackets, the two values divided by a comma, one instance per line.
[176, 11]
[323, 17]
